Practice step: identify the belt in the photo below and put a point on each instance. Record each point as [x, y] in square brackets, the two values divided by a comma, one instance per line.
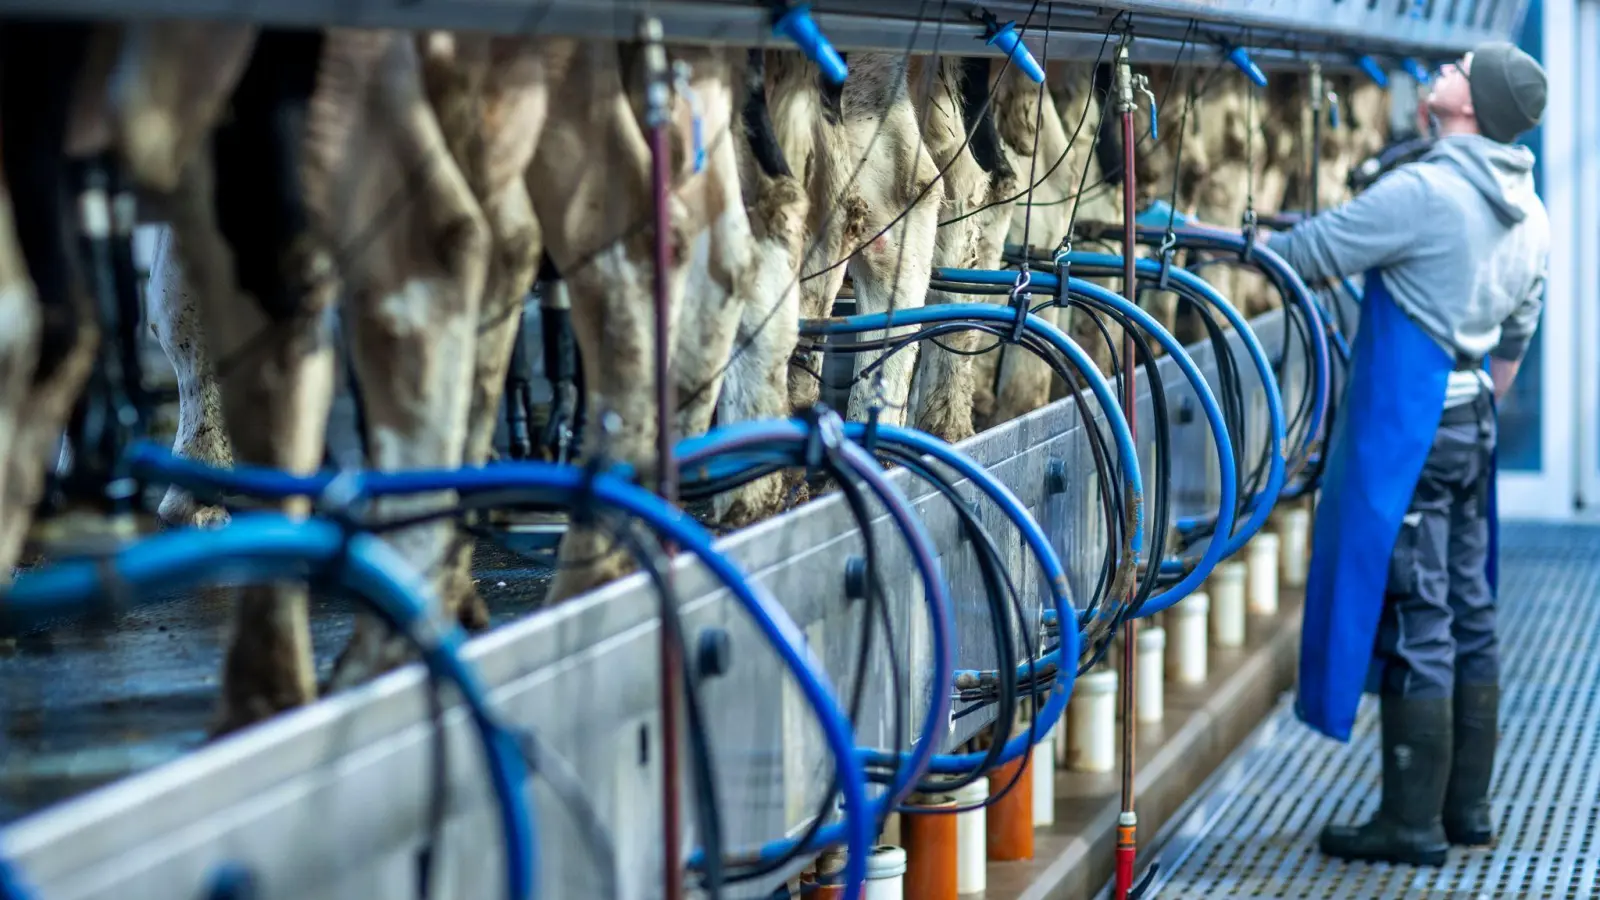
[1478, 411]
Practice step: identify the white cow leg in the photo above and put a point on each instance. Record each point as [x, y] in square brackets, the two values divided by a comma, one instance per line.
[202, 435]
[414, 294]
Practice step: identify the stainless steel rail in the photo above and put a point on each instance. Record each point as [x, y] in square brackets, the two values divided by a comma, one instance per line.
[1335, 28]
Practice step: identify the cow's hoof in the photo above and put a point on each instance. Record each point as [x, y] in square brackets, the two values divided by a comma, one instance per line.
[178, 510]
[472, 611]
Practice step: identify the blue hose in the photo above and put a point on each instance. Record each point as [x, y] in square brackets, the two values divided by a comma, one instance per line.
[1274, 266]
[1046, 283]
[1198, 288]
[1066, 346]
[744, 437]
[563, 483]
[12, 886]
[260, 547]
[1049, 562]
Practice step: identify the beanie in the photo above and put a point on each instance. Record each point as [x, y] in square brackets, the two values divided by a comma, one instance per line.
[1508, 90]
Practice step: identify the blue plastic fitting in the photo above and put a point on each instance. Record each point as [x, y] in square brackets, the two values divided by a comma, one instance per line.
[798, 26]
[1373, 70]
[1241, 59]
[1155, 216]
[1006, 38]
[1415, 69]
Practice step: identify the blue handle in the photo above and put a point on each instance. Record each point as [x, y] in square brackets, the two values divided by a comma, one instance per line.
[1415, 69]
[1373, 70]
[1006, 38]
[798, 26]
[1241, 59]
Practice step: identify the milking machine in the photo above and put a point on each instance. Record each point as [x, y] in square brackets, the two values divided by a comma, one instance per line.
[1067, 636]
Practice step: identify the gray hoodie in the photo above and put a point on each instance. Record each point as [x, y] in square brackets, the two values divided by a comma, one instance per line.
[1462, 240]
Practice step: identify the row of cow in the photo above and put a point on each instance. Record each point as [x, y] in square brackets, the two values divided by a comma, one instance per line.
[416, 180]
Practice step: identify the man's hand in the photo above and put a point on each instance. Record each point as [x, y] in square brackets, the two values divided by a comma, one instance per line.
[1502, 373]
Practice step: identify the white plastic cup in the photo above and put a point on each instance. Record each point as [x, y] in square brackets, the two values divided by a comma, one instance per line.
[886, 873]
[972, 838]
[1226, 587]
[1296, 547]
[1043, 764]
[1092, 723]
[1151, 682]
[1264, 574]
[1187, 619]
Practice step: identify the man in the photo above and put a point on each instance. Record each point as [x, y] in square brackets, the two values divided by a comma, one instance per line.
[1400, 596]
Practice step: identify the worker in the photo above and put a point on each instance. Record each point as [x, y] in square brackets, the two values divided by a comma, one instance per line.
[1400, 599]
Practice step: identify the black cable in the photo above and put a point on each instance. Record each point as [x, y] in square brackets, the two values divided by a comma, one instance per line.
[704, 779]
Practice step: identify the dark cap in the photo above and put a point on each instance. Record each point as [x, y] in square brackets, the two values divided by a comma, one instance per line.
[1508, 90]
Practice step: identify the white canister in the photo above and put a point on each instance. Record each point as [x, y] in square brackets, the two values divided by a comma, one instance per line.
[1150, 683]
[1092, 722]
[972, 838]
[1296, 546]
[1187, 619]
[1264, 574]
[1226, 587]
[1043, 764]
[886, 873]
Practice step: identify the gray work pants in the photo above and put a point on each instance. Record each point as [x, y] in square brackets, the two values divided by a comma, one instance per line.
[1438, 625]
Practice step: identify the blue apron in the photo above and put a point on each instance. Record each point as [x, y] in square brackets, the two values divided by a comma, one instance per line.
[1393, 399]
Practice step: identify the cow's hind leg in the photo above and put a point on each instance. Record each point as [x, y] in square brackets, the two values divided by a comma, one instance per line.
[493, 139]
[414, 291]
[202, 436]
[39, 65]
[264, 290]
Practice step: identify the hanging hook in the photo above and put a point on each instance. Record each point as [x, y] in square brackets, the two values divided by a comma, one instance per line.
[1019, 300]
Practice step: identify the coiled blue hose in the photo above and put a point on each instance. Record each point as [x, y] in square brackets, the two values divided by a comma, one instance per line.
[560, 484]
[1044, 282]
[1066, 346]
[1064, 657]
[1191, 285]
[769, 435]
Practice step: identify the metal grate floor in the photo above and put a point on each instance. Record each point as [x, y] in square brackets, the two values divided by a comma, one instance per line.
[1253, 832]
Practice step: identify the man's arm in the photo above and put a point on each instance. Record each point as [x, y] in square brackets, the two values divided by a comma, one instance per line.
[1516, 333]
[1376, 228]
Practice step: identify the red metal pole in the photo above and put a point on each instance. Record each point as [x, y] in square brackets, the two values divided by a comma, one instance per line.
[1128, 821]
[671, 658]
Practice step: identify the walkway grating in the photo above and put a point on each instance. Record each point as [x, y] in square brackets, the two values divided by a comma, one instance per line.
[1252, 831]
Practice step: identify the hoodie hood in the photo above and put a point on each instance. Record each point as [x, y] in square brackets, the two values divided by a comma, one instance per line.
[1502, 173]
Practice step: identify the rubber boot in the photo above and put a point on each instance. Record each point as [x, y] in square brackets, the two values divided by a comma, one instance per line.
[1408, 827]
[1466, 798]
